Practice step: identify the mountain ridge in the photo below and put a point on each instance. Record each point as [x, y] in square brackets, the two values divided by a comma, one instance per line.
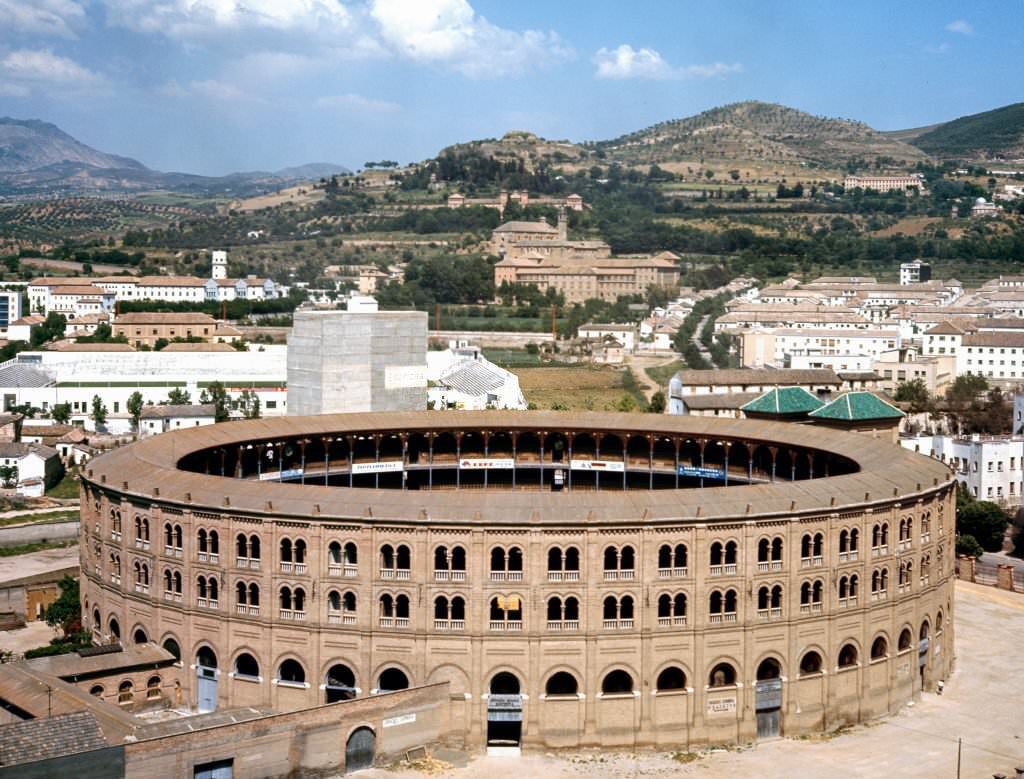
[37, 157]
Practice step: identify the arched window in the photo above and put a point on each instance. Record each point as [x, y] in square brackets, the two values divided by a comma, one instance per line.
[671, 679]
[246, 666]
[848, 656]
[672, 609]
[125, 694]
[672, 560]
[506, 613]
[563, 564]
[172, 646]
[299, 552]
[618, 612]
[810, 664]
[722, 675]
[879, 648]
[905, 639]
[140, 637]
[392, 679]
[449, 564]
[287, 555]
[768, 669]
[619, 563]
[153, 688]
[617, 682]
[291, 672]
[96, 691]
[561, 683]
[351, 559]
[254, 551]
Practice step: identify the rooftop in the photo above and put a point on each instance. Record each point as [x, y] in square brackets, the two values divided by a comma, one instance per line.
[748, 376]
[783, 400]
[883, 471]
[857, 407]
[32, 740]
[175, 411]
[163, 317]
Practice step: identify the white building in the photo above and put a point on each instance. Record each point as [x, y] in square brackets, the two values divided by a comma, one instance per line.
[624, 334]
[994, 355]
[915, 272]
[38, 466]
[462, 378]
[71, 298]
[46, 379]
[777, 346]
[161, 419]
[219, 264]
[991, 467]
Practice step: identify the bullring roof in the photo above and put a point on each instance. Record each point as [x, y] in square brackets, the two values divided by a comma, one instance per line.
[147, 469]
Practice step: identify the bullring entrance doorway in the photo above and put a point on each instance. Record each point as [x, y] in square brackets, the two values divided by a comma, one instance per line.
[206, 680]
[768, 699]
[360, 750]
[504, 713]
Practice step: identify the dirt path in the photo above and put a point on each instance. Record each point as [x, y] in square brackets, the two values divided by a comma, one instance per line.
[980, 704]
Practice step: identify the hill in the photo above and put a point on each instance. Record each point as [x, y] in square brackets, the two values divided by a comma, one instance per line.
[991, 135]
[29, 144]
[518, 146]
[39, 159]
[754, 130]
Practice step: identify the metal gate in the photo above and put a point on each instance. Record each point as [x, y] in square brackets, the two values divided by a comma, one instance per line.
[768, 704]
[206, 692]
[360, 750]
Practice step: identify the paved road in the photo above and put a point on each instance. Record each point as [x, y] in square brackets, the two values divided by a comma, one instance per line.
[998, 558]
[981, 705]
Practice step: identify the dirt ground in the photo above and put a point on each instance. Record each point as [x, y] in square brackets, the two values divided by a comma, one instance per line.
[981, 704]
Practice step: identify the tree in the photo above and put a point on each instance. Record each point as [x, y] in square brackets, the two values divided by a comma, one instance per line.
[249, 404]
[135, 408]
[657, 404]
[61, 413]
[99, 411]
[710, 174]
[218, 396]
[913, 392]
[9, 475]
[968, 545]
[179, 397]
[966, 388]
[66, 611]
[159, 344]
[985, 521]
[627, 403]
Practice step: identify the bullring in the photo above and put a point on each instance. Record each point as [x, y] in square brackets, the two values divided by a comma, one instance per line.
[579, 579]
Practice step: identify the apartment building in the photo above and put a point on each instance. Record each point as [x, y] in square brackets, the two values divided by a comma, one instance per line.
[777, 346]
[998, 356]
[991, 467]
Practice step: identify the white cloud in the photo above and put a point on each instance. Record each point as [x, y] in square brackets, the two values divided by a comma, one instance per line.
[44, 17]
[452, 34]
[211, 89]
[961, 26]
[357, 104]
[27, 70]
[625, 62]
[202, 18]
[14, 90]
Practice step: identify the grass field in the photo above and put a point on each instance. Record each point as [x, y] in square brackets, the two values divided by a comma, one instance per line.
[662, 374]
[65, 488]
[576, 387]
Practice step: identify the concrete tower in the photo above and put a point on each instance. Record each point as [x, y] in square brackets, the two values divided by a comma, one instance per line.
[220, 264]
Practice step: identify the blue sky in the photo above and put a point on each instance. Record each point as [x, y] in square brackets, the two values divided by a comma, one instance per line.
[213, 86]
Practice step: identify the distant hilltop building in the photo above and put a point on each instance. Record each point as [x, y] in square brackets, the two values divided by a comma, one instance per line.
[915, 272]
[984, 210]
[885, 183]
[521, 198]
[538, 254]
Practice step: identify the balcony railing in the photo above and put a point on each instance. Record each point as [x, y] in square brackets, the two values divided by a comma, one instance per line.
[717, 619]
[769, 614]
[141, 543]
[672, 573]
[618, 624]
[565, 625]
[563, 576]
[508, 627]
[506, 576]
[449, 625]
[671, 621]
[848, 557]
[143, 588]
[286, 566]
[292, 615]
[247, 610]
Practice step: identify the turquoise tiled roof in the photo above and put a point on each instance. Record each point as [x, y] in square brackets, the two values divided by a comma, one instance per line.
[857, 406]
[787, 400]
